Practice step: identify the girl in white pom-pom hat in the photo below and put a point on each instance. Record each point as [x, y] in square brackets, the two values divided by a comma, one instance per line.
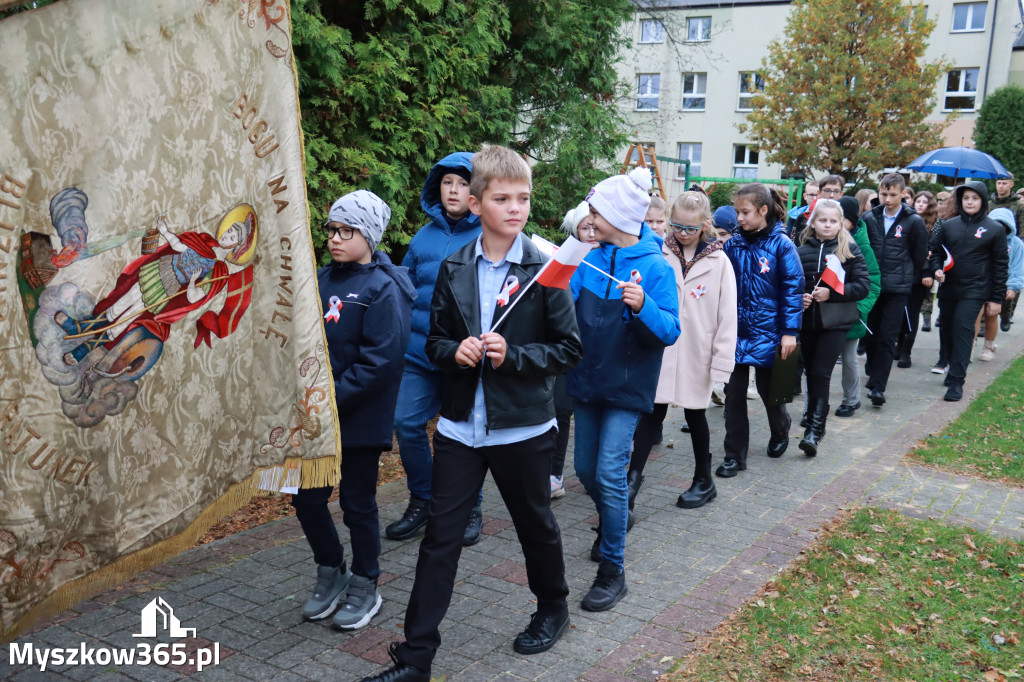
[627, 316]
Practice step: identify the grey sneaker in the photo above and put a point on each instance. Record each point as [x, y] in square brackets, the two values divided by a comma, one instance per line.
[362, 602]
[331, 582]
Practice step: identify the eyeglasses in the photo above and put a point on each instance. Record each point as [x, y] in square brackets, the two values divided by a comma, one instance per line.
[810, 195]
[345, 232]
[832, 192]
[679, 229]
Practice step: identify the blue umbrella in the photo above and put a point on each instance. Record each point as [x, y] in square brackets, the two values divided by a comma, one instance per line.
[959, 162]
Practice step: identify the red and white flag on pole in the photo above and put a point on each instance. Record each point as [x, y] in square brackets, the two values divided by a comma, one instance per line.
[564, 260]
[947, 264]
[834, 275]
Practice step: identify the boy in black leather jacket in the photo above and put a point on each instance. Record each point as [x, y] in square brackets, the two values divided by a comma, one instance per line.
[497, 411]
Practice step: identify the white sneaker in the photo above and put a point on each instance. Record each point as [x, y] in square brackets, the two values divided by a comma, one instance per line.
[718, 394]
[938, 369]
[557, 487]
[752, 390]
[988, 354]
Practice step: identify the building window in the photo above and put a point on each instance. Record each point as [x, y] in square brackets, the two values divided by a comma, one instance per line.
[751, 83]
[961, 89]
[695, 88]
[691, 151]
[698, 29]
[968, 16]
[648, 89]
[652, 31]
[744, 161]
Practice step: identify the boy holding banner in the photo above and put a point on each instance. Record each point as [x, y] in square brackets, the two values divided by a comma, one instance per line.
[497, 409]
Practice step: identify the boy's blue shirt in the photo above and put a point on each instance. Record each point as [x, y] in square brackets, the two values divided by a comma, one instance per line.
[490, 277]
[434, 242]
[623, 354]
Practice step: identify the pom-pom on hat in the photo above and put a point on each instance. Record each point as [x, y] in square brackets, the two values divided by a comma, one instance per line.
[623, 200]
[574, 217]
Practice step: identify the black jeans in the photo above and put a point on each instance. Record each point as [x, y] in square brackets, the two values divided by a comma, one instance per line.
[737, 424]
[885, 321]
[912, 320]
[520, 471]
[563, 417]
[357, 497]
[958, 316]
[821, 349]
[647, 431]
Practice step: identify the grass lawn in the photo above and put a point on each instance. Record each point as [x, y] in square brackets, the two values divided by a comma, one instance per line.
[881, 596]
[987, 440]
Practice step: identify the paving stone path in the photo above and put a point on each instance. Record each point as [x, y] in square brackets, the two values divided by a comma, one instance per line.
[686, 569]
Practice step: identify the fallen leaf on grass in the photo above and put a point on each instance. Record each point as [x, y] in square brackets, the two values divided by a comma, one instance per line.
[864, 559]
[878, 529]
[970, 542]
[988, 621]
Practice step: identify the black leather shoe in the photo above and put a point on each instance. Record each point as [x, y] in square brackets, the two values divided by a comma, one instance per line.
[903, 362]
[634, 479]
[630, 520]
[608, 588]
[954, 393]
[473, 528]
[685, 428]
[877, 398]
[777, 445]
[701, 492]
[414, 518]
[729, 468]
[847, 410]
[542, 632]
[1004, 324]
[399, 672]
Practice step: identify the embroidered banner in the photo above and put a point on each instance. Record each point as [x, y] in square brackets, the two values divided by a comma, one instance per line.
[162, 352]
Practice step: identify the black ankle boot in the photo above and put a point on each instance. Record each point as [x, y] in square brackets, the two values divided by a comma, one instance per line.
[805, 421]
[702, 490]
[816, 432]
[634, 479]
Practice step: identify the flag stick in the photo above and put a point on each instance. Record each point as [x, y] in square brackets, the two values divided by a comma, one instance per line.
[866, 327]
[910, 327]
[513, 303]
[617, 281]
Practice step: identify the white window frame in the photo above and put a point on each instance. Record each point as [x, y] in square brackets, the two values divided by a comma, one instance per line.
[748, 95]
[647, 94]
[742, 170]
[699, 39]
[695, 166]
[657, 31]
[699, 90]
[972, 8]
[961, 90]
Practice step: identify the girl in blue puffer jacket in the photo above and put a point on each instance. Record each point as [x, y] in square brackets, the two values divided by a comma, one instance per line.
[769, 300]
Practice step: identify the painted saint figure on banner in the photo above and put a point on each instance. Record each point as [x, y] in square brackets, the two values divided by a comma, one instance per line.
[95, 352]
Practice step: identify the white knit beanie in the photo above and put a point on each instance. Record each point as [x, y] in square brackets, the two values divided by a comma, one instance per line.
[574, 217]
[622, 200]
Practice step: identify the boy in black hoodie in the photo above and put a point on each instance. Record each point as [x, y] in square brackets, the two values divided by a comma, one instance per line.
[899, 239]
[970, 259]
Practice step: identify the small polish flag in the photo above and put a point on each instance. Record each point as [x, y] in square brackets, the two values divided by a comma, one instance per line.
[947, 264]
[564, 260]
[511, 287]
[635, 277]
[834, 275]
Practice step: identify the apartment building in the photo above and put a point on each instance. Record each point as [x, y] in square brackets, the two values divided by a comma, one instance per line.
[694, 67]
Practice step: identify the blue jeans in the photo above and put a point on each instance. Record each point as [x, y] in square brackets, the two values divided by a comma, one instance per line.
[604, 436]
[419, 399]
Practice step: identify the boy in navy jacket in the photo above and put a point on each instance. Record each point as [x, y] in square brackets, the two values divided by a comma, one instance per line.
[366, 304]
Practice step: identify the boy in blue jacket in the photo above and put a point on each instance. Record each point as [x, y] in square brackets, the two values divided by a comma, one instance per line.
[497, 412]
[445, 199]
[625, 328]
[366, 304]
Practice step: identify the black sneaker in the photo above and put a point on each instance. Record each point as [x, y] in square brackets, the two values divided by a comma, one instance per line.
[847, 410]
[608, 588]
[474, 528]
[903, 362]
[1004, 324]
[877, 398]
[414, 518]
[954, 392]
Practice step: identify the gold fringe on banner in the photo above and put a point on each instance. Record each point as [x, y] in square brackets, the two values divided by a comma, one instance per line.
[316, 473]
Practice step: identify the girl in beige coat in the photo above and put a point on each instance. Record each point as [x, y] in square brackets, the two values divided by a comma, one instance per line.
[706, 350]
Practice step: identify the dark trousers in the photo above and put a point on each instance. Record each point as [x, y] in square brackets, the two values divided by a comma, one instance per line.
[958, 317]
[647, 431]
[357, 497]
[912, 320]
[737, 424]
[884, 320]
[520, 471]
[821, 349]
[563, 417]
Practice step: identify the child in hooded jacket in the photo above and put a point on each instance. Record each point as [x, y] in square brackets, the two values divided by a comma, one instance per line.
[830, 310]
[625, 328]
[769, 298]
[366, 304]
[969, 256]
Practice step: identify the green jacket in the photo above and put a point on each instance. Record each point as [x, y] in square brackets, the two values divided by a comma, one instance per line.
[860, 236]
